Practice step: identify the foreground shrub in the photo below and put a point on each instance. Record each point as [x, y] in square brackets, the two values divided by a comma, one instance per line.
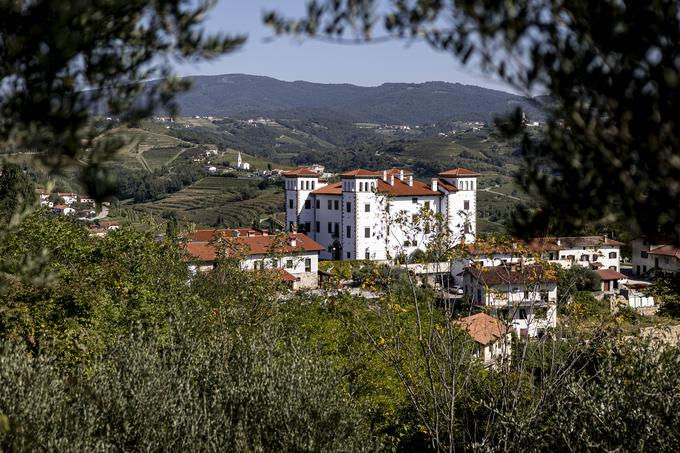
[184, 396]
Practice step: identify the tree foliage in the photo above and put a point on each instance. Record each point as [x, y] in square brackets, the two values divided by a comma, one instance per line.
[61, 61]
[610, 148]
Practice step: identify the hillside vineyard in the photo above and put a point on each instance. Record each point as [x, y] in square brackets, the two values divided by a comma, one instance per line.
[380, 215]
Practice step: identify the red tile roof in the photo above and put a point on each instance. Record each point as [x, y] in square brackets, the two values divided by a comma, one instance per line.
[609, 274]
[483, 328]
[210, 235]
[458, 172]
[402, 189]
[399, 189]
[666, 250]
[447, 186]
[395, 171]
[359, 172]
[255, 245]
[570, 242]
[502, 275]
[330, 189]
[300, 172]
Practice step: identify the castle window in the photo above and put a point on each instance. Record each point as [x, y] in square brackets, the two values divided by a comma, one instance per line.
[367, 207]
[612, 255]
[466, 205]
[336, 205]
[313, 184]
[367, 254]
[318, 204]
[290, 203]
[349, 206]
[414, 200]
[349, 231]
[330, 205]
[367, 232]
[308, 204]
[361, 187]
[318, 227]
[330, 227]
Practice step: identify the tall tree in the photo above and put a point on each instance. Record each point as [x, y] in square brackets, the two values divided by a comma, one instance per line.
[610, 151]
[17, 192]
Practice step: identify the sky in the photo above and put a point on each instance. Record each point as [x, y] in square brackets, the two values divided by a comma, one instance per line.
[291, 59]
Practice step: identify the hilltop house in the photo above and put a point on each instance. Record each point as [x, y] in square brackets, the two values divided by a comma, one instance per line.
[492, 337]
[63, 209]
[655, 254]
[523, 295]
[295, 256]
[374, 215]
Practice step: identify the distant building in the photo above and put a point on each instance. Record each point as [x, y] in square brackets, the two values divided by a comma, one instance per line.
[492, 336]
[595, 252]
[295, 257]
[655, 254]
[524, 296]
[358, 217]
[240, 165]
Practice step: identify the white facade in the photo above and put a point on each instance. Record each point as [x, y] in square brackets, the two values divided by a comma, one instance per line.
[657, 254]
[523, 298]
[379, 215]
[240, 165]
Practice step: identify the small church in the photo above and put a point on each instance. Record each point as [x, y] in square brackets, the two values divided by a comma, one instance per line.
[240, 165]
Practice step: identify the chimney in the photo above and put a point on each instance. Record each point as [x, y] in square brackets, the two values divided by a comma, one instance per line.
[433, 185]
[409, 179]
[293, 241]
[391, 180]
[559, 242]
[605, 238]
[384, 176]
[401, 175]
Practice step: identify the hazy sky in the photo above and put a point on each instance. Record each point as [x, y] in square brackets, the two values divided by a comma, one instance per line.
[315, 61]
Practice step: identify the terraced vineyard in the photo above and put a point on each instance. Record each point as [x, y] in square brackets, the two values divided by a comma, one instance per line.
[219, 201]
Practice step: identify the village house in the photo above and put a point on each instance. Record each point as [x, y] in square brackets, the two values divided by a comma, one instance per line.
[63, 209]
[492, 336]
[374, 215]
[595, 252]
[523, 295]
[610, 280]
[655, 254]
[68, 197]
[294, 256]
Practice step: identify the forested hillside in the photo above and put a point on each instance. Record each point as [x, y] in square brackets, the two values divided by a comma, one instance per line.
[401, 103]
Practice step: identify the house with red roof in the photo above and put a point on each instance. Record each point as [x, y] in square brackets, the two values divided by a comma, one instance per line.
[655, 254]
[379, 215]
[521, 295]
[492, 337]
[293, 257]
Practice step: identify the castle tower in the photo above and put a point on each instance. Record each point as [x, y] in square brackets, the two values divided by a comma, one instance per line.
[462, 203]
[300, 203]
[239, 161]
[360, 214]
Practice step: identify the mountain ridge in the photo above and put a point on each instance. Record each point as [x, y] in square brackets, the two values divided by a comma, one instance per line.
[239, 95]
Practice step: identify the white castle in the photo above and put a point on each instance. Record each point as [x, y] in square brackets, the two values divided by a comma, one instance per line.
[372, 215]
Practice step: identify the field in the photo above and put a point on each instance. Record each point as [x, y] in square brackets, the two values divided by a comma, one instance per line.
[218, 201]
